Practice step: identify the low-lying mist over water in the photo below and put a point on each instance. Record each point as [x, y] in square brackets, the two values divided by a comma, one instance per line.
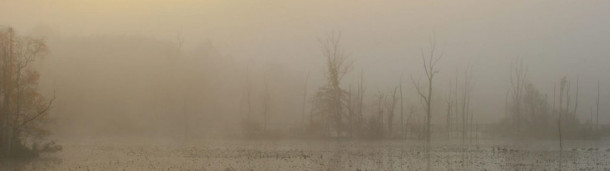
[304, 85]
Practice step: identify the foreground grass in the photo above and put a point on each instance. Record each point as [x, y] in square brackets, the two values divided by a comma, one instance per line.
[106, 154]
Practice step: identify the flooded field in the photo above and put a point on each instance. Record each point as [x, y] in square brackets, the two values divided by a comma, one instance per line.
[317, 155]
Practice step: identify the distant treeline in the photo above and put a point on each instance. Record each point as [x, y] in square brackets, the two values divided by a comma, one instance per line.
[338, 112]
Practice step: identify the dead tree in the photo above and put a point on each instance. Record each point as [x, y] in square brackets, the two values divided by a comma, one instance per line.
[361, 91]
[597, 110]
[449, 102]
[412, 109]
[518, 76]
[377, 125]
[554, 97]
[562, 85]
[429, 62]
[456, 101]
[466, 96]
[402, 115]
[356, 107]
[591, 124]
[391, 105]
[249, 126]
[304, 100]
[248, 87]
[576, 100]
[266, 107]
[506, 105]
[350, 112]
[180, 44]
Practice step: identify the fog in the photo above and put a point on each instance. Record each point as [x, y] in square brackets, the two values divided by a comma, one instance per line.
[304, 85]
[118, 66]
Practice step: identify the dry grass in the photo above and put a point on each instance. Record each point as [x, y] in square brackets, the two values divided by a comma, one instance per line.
[315, 155]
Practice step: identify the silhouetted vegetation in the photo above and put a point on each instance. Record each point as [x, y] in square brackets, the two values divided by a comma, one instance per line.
[25, 112]
[532, 115]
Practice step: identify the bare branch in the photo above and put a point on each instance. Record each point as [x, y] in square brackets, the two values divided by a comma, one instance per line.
[419, 92]
[40, 113]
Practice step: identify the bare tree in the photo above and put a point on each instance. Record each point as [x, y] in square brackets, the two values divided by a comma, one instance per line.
[449, 102]
[465, 102]
[597, 110]
[381, 110]
[185, 92]
[456, 101]
[591, 122]
[466, 96]
[402, 115]
[266, 106]
[248, 87]
[554, 97]
[304, 100]
[412, 109]
[562, 85]
[359, 102]
[391, 105]
[351, 112]
[567, 111]
[429, 62]
[518, 76]
[375, 122]
[249, 126]
[576, 100]
[355, 107]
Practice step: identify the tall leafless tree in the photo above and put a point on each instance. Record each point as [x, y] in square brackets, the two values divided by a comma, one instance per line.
[597, 108]
[412, 109]
[466, 114]
[304, 100]
[185, 92]
[359, 103]
[266, 106]
[449, 102]
[391, 105]
[456, 101]
[562, 86]
[518, 76]
[249, 126]
[429, 62]
[402, 114]
[576, 100]
[248, 88]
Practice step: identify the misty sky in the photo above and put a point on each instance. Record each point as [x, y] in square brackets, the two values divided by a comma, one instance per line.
[555, 38]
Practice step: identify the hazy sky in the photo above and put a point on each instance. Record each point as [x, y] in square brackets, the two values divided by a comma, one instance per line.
[554, 37]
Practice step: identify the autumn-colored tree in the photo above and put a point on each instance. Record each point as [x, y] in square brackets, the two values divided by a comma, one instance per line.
[24, 111]
[330, 100]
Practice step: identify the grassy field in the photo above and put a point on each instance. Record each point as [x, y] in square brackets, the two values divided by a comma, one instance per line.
[123, 154]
